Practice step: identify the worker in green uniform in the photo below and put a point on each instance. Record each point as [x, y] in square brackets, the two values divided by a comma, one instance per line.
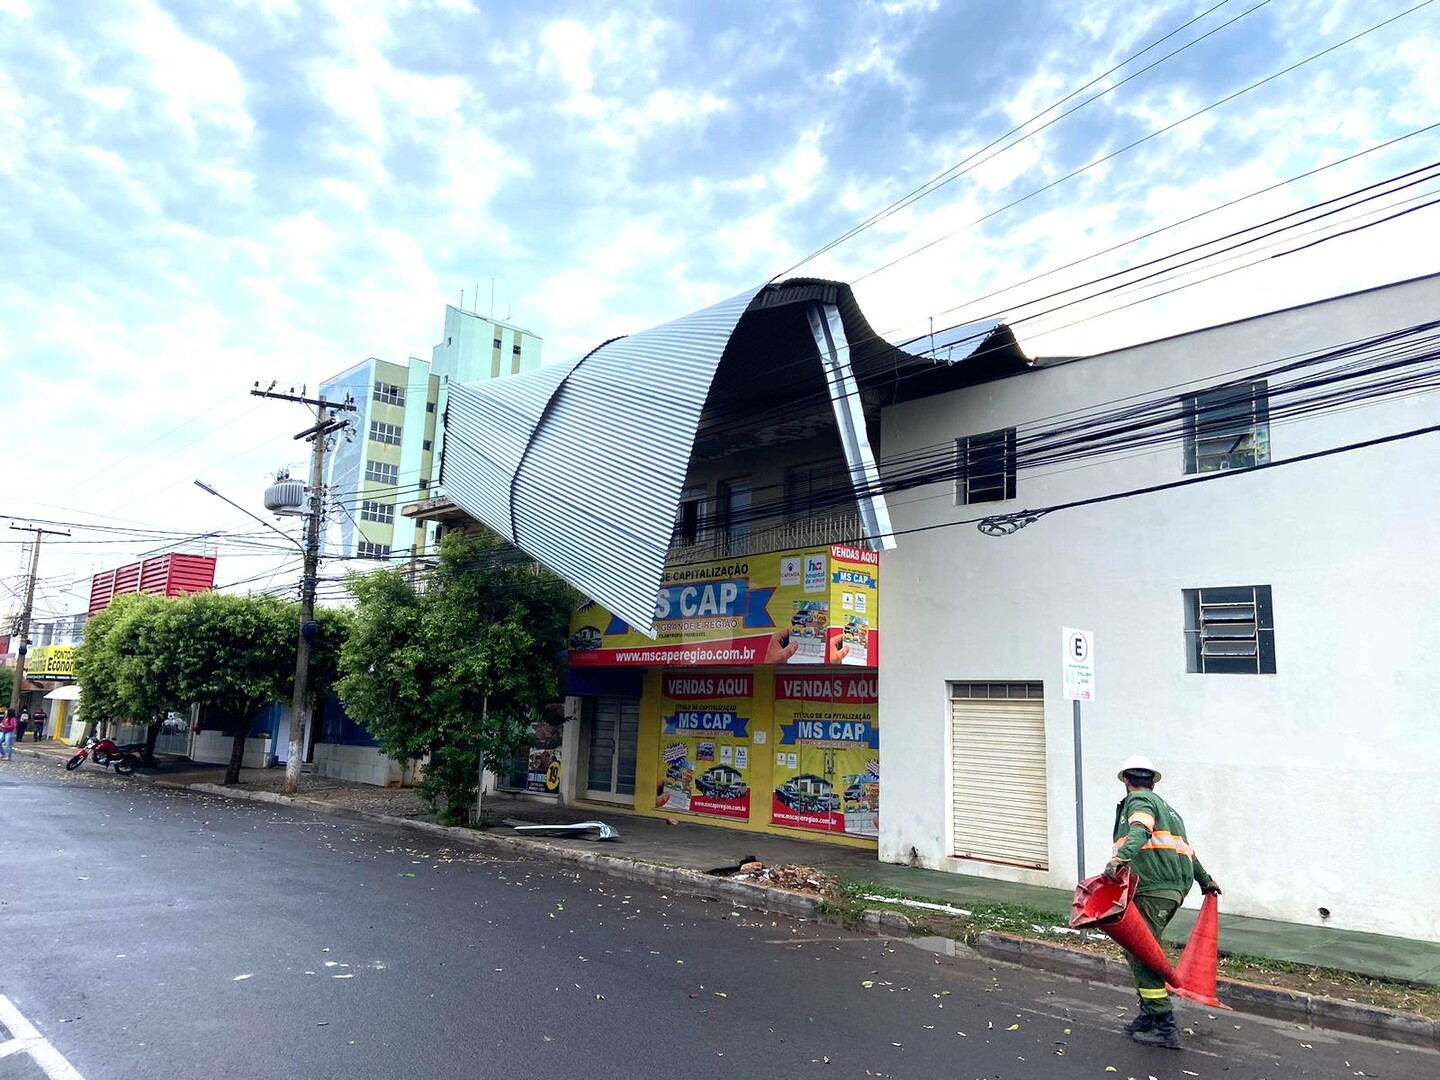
[1150, 839]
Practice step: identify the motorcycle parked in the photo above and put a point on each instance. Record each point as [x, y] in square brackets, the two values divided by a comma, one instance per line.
[107, 753]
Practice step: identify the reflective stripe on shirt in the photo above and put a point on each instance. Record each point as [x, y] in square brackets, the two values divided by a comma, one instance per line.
[1170, 842]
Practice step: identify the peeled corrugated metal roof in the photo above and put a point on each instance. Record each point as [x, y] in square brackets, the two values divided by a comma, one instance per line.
[581, 464]
[541, 457]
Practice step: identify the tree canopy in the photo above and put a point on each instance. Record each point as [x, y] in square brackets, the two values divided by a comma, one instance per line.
[146, 655]
[124, 664]
[459, 671]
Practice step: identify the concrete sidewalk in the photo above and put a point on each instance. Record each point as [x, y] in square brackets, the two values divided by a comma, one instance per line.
[694, 845]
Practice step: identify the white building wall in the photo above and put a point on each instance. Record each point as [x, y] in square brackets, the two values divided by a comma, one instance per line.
[1315, 787]
[363, 765]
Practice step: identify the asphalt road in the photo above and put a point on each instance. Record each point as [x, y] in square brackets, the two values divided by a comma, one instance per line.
[150, 933]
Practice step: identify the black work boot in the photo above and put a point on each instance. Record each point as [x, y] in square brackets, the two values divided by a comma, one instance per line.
[1160, 1033]
[1143, 1022]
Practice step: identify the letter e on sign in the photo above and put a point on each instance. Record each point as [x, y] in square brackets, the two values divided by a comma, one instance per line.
[1078, 664]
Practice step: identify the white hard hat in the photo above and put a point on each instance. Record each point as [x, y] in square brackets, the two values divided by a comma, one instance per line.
[1137, 763]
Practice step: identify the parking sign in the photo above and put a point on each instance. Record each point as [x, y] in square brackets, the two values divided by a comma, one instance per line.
[1079, 664]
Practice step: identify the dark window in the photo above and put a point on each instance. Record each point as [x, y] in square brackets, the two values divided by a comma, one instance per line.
[515, 348]
[497, 343]
[382, 473]
[820, 487]
[430, 406]
[1230, 631]
[384, 513]
[985, 467]
[732, 514]
[385, 433]
[426, 444]
[424, 485]
[389, 393]
[366, 550]
[688, 514]
[1227, 428]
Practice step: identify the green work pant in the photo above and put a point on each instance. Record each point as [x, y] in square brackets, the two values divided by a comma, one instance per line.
[1154, 998]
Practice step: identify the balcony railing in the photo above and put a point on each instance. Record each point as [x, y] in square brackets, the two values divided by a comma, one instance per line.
[757, 539]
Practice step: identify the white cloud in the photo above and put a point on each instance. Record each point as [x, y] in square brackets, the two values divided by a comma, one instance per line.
[200, 85]
[198, 200]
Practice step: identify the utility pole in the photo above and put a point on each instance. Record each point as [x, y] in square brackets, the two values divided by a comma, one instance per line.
[325, 423]
[24, 629]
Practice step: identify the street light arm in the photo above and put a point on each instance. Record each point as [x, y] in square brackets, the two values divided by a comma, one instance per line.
[278, 532]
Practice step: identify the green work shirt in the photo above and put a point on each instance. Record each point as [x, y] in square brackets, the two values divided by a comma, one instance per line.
[1150, 836]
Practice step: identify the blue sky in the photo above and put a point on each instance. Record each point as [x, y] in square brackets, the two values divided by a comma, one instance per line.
[194, 196]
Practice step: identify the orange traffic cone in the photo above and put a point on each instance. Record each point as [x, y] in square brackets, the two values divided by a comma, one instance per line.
[1107, 906]
[1195, 974]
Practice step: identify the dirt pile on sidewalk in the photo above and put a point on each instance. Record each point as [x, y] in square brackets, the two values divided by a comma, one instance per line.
[803, 879]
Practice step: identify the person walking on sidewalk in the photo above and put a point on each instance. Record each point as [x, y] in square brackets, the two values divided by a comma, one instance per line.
[7, 735]
[37, 724]
[1150, 839]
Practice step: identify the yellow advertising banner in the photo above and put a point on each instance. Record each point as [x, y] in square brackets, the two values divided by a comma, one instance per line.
[817, 606]
[827, 753]
[705, 719]
[50, 661]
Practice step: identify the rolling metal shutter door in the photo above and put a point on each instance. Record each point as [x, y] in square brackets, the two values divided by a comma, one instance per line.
[997, 756]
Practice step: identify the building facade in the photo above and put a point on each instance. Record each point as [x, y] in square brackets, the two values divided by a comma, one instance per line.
[392, 454]
[1262, 610]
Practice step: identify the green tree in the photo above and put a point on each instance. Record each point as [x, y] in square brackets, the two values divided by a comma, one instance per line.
[7, 686]
[459, 672]
[125, 664]
[233, 655]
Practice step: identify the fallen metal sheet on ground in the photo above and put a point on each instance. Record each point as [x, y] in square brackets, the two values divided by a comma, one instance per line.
[599, 828]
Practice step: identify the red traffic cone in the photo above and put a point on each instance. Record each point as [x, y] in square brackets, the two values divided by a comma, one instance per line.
[1107, 906]
[1195, 974]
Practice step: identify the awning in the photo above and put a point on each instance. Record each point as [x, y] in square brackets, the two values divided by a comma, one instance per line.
[64, 693]
[581, 464]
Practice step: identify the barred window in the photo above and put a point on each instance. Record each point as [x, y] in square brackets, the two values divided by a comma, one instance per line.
[1230, 631]
[382, 473]
[384, 513]
[1227, 428]
[985, 467]
[389, 393]
[385, 433]
[366, 550]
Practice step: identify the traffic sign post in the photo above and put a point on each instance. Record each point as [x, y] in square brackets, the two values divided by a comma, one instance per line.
[1078, 664]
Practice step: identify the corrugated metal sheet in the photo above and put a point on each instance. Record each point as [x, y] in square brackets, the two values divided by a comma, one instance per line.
[488, 428]
[581, 464]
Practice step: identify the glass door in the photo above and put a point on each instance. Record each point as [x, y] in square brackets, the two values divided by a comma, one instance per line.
[614, 734]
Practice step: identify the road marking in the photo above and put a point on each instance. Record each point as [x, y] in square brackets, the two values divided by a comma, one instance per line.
[29, 1041]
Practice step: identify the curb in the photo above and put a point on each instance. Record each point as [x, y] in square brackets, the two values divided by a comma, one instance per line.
[1311, 1010]
[693, 882]
[1295, 1006]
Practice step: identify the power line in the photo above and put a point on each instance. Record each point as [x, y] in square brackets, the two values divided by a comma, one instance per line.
[1008, 524]
[1144, 139]
[959, 169]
